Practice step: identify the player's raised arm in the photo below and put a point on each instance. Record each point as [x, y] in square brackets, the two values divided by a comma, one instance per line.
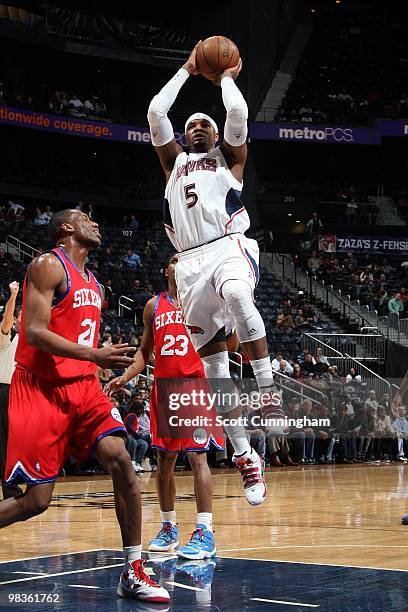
[161, 129]
[45, 278]
[235, 131]
[142, 356]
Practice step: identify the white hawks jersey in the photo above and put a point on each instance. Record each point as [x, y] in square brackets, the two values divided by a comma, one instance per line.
[202, 200]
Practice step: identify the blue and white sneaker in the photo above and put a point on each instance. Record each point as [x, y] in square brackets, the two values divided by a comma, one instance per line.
[201, 572]
[200, 546]
[166, 540]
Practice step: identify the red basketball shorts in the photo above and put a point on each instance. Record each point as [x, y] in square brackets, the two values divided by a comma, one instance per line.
[49, 422]
[192, 429]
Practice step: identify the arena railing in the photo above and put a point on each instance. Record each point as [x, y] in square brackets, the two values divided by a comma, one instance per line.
[301, 389]
[342, 304]
[344, 362]
[125, 303]
[22, 247]
[364, 347]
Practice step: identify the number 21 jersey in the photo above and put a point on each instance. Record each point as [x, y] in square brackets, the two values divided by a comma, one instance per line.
[75, 315]
[175, 355]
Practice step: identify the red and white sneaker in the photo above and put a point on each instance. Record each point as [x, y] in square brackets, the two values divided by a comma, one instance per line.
[135, 584]
[251, 467]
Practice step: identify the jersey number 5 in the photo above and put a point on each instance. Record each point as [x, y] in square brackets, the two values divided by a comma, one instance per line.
[87, 337]
[170, 342]
[191, 195]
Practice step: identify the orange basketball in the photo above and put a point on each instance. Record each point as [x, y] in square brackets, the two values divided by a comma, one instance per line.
[214, 55]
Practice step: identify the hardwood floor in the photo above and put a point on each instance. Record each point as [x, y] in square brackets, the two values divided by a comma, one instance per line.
[346, 515]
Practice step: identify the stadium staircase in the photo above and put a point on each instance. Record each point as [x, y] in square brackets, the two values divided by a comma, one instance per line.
[331, 304]
[387, 211]
[285, 73]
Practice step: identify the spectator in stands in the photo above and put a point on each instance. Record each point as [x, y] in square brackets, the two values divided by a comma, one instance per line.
[275, 363]
[366, 275]
[42, 218]
[400, 426]
[15, 210]
[284, 321]
[314, 228]
[297, 372]
[300, 320]
[323, 359]
[371, 403]
[285, 368]
[278, 447]
[353, 377]
[134, 223]
[110, 295]
[396, 304]
[131, 260]
[345, 431]
[301, 358]
[384, 435]
[314, 262]
[307, 367]
[324, 438]
[365, 428]
[307, 412]
[76, 106]
[320, 367]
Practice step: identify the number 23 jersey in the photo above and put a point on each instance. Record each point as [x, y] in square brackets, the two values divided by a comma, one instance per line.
[75, 315]
[175, 355]
[202, 200]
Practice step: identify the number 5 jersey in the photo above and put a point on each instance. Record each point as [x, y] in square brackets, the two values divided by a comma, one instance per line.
[202, 201]
[75, 315]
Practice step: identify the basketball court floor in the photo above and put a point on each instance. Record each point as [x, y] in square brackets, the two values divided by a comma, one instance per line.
[327, 538]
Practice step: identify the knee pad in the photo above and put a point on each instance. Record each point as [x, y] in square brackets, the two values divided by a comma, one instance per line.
[248, 322]
[216, 369]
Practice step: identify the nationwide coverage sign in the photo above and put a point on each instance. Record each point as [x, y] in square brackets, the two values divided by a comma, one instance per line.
[326, 134]
[71, 126]
[284, 132]
[331, 243]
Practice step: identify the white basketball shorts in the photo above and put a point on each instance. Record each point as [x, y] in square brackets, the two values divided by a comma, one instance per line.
[200, 274]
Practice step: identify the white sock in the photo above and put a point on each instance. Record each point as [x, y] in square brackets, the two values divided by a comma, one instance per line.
[168, 517]
[239, 444]
[205, 518]
[132, 553]
[263, 372]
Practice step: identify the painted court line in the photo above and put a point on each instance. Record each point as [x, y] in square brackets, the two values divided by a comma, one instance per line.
[381, 569]
[76, 552]
[88, 569]
[184, 586]
[31, 573]
[316, 546]
[83, 586]
[287, 603]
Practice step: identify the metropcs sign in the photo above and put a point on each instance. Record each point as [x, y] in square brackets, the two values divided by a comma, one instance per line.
[299, 132]
[329, 134]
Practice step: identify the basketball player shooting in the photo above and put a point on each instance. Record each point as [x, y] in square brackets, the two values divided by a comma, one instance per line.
[217, 269]
[57, 407]
[175, 358]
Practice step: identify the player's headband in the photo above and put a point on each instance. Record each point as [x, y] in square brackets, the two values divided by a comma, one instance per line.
[201, 116]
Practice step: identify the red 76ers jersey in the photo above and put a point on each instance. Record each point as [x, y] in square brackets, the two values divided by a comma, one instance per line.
[175, 355]
[75, 315]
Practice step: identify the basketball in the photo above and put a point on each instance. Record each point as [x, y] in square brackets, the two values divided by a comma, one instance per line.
[214, 55]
